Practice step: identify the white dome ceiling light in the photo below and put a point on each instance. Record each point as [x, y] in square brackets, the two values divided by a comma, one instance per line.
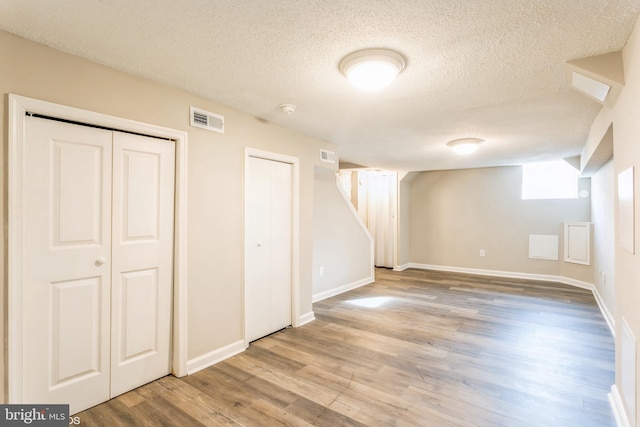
[465, 145]
[372, 69]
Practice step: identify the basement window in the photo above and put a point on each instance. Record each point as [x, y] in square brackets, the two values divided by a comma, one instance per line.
[549, 180]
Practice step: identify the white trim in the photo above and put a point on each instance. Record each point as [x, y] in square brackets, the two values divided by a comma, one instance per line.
[568, 281]
[295, 232]
[509, 274]
[628, 356]
[622, 420]
[180, 331]
[611, 321]
[396, 218]
[216, 356]
[18, 106]
[528, 276]
[339, 290]
[306, 318]
[402, 267]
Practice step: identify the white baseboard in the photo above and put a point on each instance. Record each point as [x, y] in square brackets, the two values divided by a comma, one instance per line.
[341, 289]
[402, 267]
[611, 321]
[306, 318]
[529, 276]
[209, 359]
[216, 356]
[509, 274]
[618, 408]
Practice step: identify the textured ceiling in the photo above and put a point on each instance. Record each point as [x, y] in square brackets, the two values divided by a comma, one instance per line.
[491, 69]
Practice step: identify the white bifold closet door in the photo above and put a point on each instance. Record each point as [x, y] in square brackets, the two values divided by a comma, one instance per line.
[98, 262]
[268, 246]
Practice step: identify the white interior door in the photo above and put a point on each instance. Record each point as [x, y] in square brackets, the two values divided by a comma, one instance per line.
[66, 292]
[88, 288]
[142, 260]
[268, 246]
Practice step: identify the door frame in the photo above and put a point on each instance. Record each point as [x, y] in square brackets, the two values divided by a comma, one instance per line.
[18, 107]
[295, 232]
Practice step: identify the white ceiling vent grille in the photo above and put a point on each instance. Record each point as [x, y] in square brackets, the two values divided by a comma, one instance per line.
[327, 156]
[207, 120]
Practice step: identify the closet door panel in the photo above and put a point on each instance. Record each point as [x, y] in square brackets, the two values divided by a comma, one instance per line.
[67, 274]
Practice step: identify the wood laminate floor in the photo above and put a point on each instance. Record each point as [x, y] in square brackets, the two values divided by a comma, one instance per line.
[417, 348]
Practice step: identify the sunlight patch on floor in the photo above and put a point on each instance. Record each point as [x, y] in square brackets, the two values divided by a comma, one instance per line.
[373, 302]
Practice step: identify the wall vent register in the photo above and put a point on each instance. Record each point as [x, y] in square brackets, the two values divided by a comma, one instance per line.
[327, 156]
[206, 120]
[543, 247]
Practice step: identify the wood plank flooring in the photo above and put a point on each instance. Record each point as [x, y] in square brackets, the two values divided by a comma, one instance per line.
[417, 348]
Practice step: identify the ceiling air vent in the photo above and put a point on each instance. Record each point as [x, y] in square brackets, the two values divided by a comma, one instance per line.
[207, 120]
[327, 156]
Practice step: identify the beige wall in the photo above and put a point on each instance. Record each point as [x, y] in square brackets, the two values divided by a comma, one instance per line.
[404, 223]
[341, 245]
[626, 137]
[455, 214]
[215, 177]
[602, 215]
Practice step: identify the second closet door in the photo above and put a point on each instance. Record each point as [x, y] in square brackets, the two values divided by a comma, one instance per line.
[268, 246]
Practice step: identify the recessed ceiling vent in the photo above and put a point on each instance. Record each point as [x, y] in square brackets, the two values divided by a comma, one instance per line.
[207, 120]
[327, 156]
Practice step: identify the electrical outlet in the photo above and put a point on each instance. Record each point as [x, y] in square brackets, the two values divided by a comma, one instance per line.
[482, 252]
[322, 270]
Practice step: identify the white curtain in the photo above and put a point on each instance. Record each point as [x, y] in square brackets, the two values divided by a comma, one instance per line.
[381, 189]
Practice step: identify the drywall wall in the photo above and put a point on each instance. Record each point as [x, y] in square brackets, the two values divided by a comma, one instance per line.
[342, 247]
[215, 176]
[404, 208]
[602, 216]
[626, 146]
[456, 214]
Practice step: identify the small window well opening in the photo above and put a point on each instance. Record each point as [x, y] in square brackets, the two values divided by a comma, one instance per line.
[591, 87]
[549, 180]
